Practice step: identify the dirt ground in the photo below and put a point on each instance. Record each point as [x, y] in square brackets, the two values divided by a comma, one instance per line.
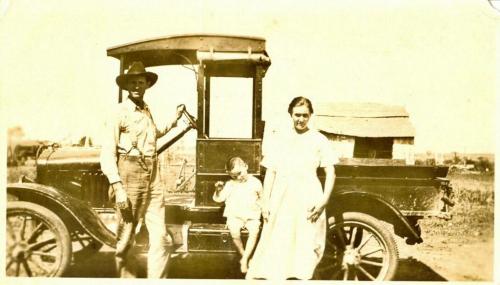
[417, 263]
[433, 260]
[461, 249]
[437, 259]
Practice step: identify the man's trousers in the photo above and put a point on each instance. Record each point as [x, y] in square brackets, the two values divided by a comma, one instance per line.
[141, 181]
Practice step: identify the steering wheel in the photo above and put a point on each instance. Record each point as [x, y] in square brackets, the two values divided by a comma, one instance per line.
[190, 118]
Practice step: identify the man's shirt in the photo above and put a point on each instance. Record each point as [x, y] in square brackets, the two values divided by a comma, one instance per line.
[127, 127]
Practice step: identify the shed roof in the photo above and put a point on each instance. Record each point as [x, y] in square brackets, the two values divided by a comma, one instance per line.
[364, 120]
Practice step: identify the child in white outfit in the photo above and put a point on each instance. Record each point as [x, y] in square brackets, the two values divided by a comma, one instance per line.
[242, 195]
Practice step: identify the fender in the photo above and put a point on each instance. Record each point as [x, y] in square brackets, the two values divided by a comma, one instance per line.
[69, 209]
[376, 206]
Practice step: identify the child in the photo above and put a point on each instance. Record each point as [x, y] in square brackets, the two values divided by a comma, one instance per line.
[242, 195]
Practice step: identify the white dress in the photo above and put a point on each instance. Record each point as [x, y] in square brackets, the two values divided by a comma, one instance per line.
[290, 245]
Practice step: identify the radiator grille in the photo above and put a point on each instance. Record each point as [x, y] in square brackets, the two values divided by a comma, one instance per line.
[95, 189]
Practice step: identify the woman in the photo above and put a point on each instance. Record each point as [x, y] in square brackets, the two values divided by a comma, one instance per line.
[293, 237]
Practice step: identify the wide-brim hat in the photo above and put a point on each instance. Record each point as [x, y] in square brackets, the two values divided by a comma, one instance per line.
[135, 69]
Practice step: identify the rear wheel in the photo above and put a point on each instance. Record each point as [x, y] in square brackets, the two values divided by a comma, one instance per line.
[38, 242]
[358, 247]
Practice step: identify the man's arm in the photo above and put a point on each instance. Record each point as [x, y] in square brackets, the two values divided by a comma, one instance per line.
[109, 154]
[173, 123]
[108, 159]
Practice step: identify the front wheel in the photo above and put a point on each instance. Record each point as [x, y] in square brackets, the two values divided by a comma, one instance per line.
[38, 242]
[358, 247]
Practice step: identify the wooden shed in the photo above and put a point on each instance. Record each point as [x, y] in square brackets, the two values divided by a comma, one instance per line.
[368, 133]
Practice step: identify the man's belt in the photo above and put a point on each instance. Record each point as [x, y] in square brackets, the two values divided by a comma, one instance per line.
[137, 157]
[142, 160]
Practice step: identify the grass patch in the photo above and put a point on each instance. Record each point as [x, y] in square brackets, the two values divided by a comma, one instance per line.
[14, 173]
[473, 213]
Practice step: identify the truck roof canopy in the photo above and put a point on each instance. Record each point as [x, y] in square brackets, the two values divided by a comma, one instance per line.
[190, 49]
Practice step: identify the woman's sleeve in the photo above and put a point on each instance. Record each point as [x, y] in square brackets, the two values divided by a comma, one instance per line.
[268, 161]
[260, 192]
[270, 151]
[327, 154]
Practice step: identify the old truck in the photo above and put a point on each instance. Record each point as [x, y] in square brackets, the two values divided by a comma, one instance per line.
[59, 214]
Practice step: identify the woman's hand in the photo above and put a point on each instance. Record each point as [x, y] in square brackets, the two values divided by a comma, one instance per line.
[316, 211]
[265, 214]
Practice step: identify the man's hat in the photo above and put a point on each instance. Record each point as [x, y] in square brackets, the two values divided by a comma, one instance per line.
[136, 68]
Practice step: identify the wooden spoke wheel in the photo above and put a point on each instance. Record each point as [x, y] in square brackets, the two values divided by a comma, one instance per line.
[38, 242]
[358, 247]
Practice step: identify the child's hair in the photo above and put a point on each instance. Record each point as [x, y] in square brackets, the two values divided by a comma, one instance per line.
[231, 163]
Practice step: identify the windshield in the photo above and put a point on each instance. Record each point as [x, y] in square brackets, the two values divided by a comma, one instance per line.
[230, 107]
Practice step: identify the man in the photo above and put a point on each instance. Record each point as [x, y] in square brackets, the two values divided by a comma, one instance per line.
[128, 159]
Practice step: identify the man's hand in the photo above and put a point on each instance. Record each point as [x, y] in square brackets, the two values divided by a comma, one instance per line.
[120, 195]
[180, 109]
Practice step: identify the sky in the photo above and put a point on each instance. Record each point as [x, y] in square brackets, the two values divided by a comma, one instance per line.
[437, 58]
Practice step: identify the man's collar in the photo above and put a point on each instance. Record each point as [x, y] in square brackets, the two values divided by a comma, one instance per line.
[132, 106]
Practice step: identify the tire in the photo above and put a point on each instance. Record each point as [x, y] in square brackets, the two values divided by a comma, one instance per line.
[38, 242]
[366, 251]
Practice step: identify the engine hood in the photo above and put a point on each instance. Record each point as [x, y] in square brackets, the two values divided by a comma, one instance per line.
[69, 158]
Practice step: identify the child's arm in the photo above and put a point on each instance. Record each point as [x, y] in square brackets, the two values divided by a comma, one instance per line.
[220, 193]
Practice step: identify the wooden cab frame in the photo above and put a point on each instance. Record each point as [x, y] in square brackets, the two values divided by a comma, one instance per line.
[214, 56]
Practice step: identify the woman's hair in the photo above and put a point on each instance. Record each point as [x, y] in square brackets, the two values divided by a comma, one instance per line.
[300, 101]
[233, 161]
